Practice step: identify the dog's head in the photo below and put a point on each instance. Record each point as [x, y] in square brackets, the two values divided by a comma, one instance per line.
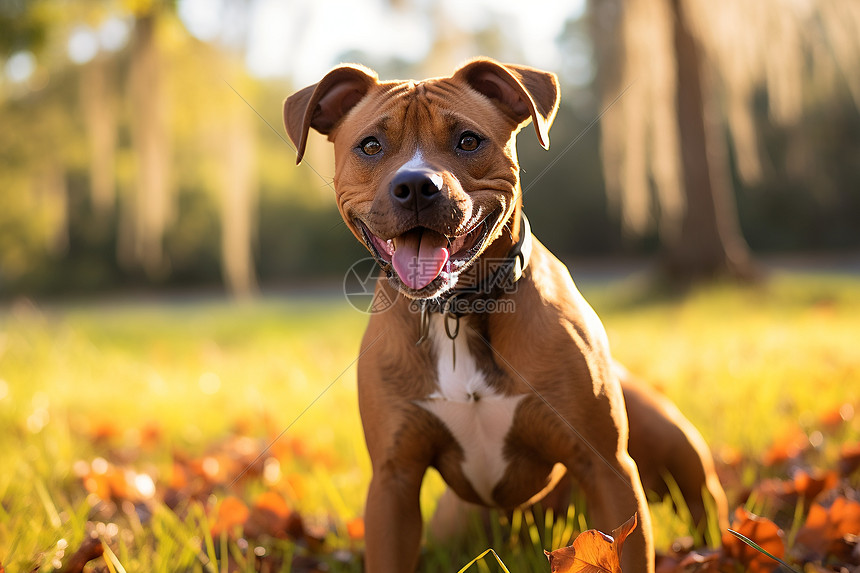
[426, 172]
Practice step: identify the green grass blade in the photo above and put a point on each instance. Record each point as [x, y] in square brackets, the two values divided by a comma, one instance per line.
[481, 556]
[48, 503]
[761, 549]
[111, 560]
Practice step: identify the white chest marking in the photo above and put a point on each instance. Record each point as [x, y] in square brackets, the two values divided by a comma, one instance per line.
[478, 417]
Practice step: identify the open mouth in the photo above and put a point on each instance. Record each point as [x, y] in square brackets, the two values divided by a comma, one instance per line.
[421, 255]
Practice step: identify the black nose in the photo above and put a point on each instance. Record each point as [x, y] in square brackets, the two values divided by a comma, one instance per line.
[416, 189]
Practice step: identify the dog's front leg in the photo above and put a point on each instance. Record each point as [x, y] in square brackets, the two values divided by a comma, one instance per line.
[617, 493]
[393, 520]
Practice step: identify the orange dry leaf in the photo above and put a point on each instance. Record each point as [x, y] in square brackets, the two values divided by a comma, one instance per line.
[782, 496]
[849, 459]
[816, 568]
[269, 515]
[786, 447]
[809, 486]
[105, 431]
[762, 531]
[107, 482]
[151, 436]
[826, 528]
[231, 513]
[592, 551]
[355, 528]
[274, 503]
[179, 477]
[833, 419]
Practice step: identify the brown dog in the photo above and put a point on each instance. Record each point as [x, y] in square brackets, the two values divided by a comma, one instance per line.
[488, 365]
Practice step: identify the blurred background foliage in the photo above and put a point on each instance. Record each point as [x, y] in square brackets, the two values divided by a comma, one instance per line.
[141, 143]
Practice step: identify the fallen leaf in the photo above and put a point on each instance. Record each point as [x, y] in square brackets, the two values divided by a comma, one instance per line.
[105, 431]
[827, 528]
[355, 528]
[592, 551]
[151, 436]
[268, 516]
[91, 548]
[787, 447]
[809, 486]
[232, 513]
[780, 497]
[295, 526]
[704, 563]
[816, 568]
[762, 531]
[849, 459]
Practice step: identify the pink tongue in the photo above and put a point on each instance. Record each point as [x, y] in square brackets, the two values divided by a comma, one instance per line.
[419, 257]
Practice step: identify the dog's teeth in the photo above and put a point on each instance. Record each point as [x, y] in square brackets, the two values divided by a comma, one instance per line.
[390, 246]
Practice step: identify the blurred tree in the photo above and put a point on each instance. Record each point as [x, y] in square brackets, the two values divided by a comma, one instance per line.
[230, 206]
[98, 96]
[694, 66]
[151, 210]
[144, 108]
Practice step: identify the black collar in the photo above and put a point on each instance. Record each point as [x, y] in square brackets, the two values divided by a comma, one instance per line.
[459, 302]
[503, 277]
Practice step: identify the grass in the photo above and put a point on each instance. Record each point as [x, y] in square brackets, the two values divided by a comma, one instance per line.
[136, 383]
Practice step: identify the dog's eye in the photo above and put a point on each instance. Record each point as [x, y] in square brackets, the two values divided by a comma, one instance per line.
[370, 146]
[469, 142]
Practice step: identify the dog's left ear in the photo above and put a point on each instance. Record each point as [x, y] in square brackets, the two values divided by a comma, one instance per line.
[522, 92]
[322, 105]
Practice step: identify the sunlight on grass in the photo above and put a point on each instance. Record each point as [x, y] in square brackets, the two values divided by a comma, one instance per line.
[745, 364]
[137, 384]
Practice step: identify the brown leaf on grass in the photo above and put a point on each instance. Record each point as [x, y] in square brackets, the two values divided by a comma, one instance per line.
[816, 568]
[105, 431]
[762, 531]
[849, 459]
[667, 563]
[809, 486]
[107, 481]
[91, 548]
[355, 528]
[836, 417]
[827, 529]
[295, 527]
[232, 513]
[705, 563]
[688, 560]
[592, 551]
[270, 515]
[787, 447]
[781, 497]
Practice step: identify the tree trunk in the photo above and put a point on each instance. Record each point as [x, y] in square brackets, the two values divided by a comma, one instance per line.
[237, 205]
[99, 104]
[709, 243]
[150, 209]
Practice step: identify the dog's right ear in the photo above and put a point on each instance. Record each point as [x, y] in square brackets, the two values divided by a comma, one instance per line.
[322, 105]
